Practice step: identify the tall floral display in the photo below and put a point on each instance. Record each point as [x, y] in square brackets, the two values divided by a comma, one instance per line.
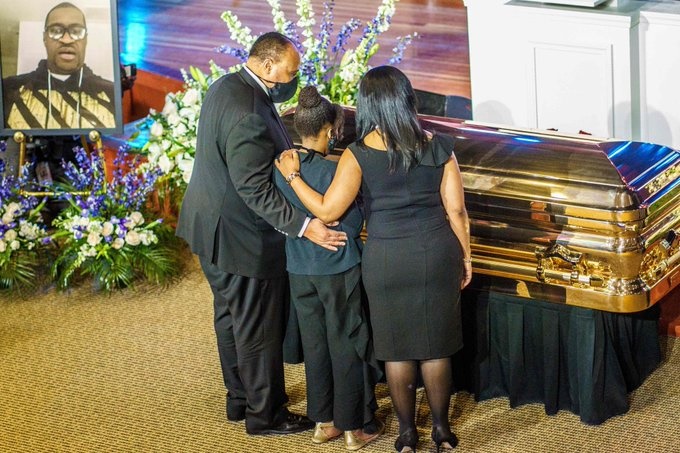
[328, 61]
[22, 232]
[105, 233]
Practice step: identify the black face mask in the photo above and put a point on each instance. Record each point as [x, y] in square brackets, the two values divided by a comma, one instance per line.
[282, 92]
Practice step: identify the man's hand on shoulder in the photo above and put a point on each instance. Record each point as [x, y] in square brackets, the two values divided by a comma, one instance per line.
[323, 236]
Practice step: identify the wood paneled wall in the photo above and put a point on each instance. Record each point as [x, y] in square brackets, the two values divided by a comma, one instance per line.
[163, 36]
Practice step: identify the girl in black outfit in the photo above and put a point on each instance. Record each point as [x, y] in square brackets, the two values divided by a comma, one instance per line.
[326, 294]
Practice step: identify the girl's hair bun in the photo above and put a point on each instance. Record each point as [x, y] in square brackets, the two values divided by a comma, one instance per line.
[309, 97]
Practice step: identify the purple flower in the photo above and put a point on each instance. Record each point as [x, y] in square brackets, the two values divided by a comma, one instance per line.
[11, 186]
[308, 71]
[345, 32]
[326, 28]
[291, 32]
[127, 191]
[398, 52]
[238, 53]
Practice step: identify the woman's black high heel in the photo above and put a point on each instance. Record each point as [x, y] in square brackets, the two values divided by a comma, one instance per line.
[407, 441]
[449, 442]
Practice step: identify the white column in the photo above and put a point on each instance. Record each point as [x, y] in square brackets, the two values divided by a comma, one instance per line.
[496, 75]
[547, 66]
[660, 73]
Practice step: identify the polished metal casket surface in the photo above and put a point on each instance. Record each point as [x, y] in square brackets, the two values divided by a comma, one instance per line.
[565, 218]
[570, 218]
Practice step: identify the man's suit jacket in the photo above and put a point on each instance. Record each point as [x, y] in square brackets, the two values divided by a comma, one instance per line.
[231, 205]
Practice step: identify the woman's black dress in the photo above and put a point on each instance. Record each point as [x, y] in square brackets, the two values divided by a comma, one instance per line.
[412, 261]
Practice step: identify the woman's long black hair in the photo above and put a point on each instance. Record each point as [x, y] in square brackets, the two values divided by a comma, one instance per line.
[386, 101]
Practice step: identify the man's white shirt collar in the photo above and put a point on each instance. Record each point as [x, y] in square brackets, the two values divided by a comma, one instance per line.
[61, 77]
[257, 79]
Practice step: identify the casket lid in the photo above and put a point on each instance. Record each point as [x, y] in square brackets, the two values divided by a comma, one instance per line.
[561, 169]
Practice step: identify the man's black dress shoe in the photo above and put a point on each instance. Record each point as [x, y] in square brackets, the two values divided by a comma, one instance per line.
[292, 423]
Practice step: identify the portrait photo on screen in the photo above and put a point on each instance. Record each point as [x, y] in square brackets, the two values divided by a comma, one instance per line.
[60, 67]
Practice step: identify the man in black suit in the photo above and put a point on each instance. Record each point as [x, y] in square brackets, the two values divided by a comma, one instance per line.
[230, 216]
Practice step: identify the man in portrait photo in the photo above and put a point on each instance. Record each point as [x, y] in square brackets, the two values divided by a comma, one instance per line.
[63, 92]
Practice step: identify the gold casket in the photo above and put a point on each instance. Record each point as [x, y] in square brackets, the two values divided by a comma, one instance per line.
[568, 218]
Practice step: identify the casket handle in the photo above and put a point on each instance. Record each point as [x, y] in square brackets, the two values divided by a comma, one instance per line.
[559, 251]
[573, 276]
[660, 258]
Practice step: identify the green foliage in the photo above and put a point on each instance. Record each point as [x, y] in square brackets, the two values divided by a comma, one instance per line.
[18, 272]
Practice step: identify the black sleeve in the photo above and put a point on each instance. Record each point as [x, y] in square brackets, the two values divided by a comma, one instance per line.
[438, 151]
[250, 159]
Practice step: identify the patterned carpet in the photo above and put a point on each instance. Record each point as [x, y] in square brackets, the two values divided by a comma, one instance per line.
[138, 371]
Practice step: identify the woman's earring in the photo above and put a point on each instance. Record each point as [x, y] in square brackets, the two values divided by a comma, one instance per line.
[332, 140]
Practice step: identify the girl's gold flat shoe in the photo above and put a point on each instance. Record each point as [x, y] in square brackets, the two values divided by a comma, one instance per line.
[320, 435]
[354, 442]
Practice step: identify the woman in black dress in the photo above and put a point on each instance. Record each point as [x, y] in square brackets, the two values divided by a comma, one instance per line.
[417, 255]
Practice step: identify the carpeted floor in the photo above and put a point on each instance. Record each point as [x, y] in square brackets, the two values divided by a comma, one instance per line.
[138, 371]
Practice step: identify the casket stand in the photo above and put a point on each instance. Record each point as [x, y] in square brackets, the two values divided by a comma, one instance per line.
[574, 242]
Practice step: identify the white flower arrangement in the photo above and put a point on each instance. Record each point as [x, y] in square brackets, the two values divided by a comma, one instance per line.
[172, 135]
[22, 232]
[16, 231]
[97, 236]
[171, 141]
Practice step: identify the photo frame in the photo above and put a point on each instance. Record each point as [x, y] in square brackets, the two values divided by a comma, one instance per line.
[35, 99]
